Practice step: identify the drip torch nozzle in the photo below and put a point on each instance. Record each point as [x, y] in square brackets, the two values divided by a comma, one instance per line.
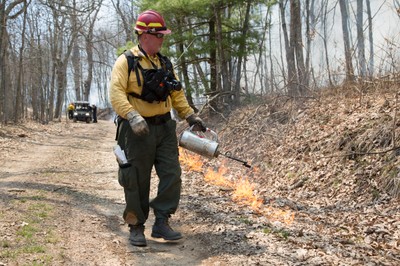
[228, 155]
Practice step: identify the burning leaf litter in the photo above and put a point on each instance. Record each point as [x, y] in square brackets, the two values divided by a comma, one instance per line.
[243, 189]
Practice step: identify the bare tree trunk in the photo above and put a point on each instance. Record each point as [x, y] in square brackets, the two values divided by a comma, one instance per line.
[346, 40]
[195, 80]
[6, 111]
[52, 92]
[214, 77]
[19, 110]
[290, 59]
[45, 90]
[360, 40]
[242, 47]
[246, 81]
[309, 24]
[297, 42]
[310, 30]
[64, 55]
[58, 73]
[265, 77]
[202, 76]
[371, 63]
[222, 66]
[76, 65]
[35, 78]
[213, 57]
[325, 40]
[61, 74]
[56, 46]
[87, 85]
[261, 53]
[39, 86]
[34, 57]
[3, 51]
[271, 62]
[184, 68]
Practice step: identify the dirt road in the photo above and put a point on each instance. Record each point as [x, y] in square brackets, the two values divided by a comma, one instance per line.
[61, 203]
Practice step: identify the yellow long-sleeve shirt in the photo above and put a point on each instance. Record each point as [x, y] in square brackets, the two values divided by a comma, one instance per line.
[123, 103]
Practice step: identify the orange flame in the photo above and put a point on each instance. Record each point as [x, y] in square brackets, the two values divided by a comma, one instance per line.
[243, 189]
[244, 193]
[217, 178]
[193, 162]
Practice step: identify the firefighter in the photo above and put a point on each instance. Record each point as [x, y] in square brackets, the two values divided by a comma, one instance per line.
[71, 108]
[94, 113]
[146, 131]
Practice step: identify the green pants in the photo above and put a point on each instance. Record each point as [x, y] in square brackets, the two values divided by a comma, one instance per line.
[158, 149]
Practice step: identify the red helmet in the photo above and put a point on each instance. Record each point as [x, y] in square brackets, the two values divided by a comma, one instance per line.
[152, 22]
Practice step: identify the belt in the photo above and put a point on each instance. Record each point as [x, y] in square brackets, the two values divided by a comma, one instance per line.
[158, 119]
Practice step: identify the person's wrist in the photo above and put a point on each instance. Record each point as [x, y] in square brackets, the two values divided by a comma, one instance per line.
[196, 122]
[132, 115]
[137, 123]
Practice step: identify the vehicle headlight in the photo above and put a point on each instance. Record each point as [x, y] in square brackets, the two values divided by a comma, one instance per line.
[87, 114]
[75, 113]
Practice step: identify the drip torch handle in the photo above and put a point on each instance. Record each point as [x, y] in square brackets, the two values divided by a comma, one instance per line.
[214, 135]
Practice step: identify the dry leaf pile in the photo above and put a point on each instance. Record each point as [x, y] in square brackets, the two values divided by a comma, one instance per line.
[334, 163]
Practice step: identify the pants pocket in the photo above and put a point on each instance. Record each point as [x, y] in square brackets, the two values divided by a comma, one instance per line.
[127, 177]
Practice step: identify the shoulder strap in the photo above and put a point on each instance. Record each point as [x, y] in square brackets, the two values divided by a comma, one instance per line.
[133, 64]
[165, 63]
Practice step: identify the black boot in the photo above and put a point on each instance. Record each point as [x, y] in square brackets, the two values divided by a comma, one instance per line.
[136, 236]
[161, 229]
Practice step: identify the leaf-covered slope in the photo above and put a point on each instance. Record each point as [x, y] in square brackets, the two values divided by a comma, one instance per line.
[341, 146]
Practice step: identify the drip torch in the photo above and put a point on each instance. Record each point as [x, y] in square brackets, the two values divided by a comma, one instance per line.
[205, 144]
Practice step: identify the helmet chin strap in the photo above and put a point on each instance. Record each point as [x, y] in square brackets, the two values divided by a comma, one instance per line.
[143, 53]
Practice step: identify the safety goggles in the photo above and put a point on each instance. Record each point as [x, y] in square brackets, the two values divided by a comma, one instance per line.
[158, 35]
[158, 32]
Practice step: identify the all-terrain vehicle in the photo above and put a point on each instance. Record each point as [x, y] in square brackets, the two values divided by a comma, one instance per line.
[82, 112]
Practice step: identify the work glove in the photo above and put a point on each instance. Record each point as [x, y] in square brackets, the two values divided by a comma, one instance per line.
[196, 122]
[137, 123]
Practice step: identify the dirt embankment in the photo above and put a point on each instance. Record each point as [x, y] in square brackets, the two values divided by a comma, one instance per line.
[318, 192]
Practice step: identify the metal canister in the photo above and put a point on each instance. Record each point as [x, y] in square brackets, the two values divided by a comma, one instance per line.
[200, 143]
